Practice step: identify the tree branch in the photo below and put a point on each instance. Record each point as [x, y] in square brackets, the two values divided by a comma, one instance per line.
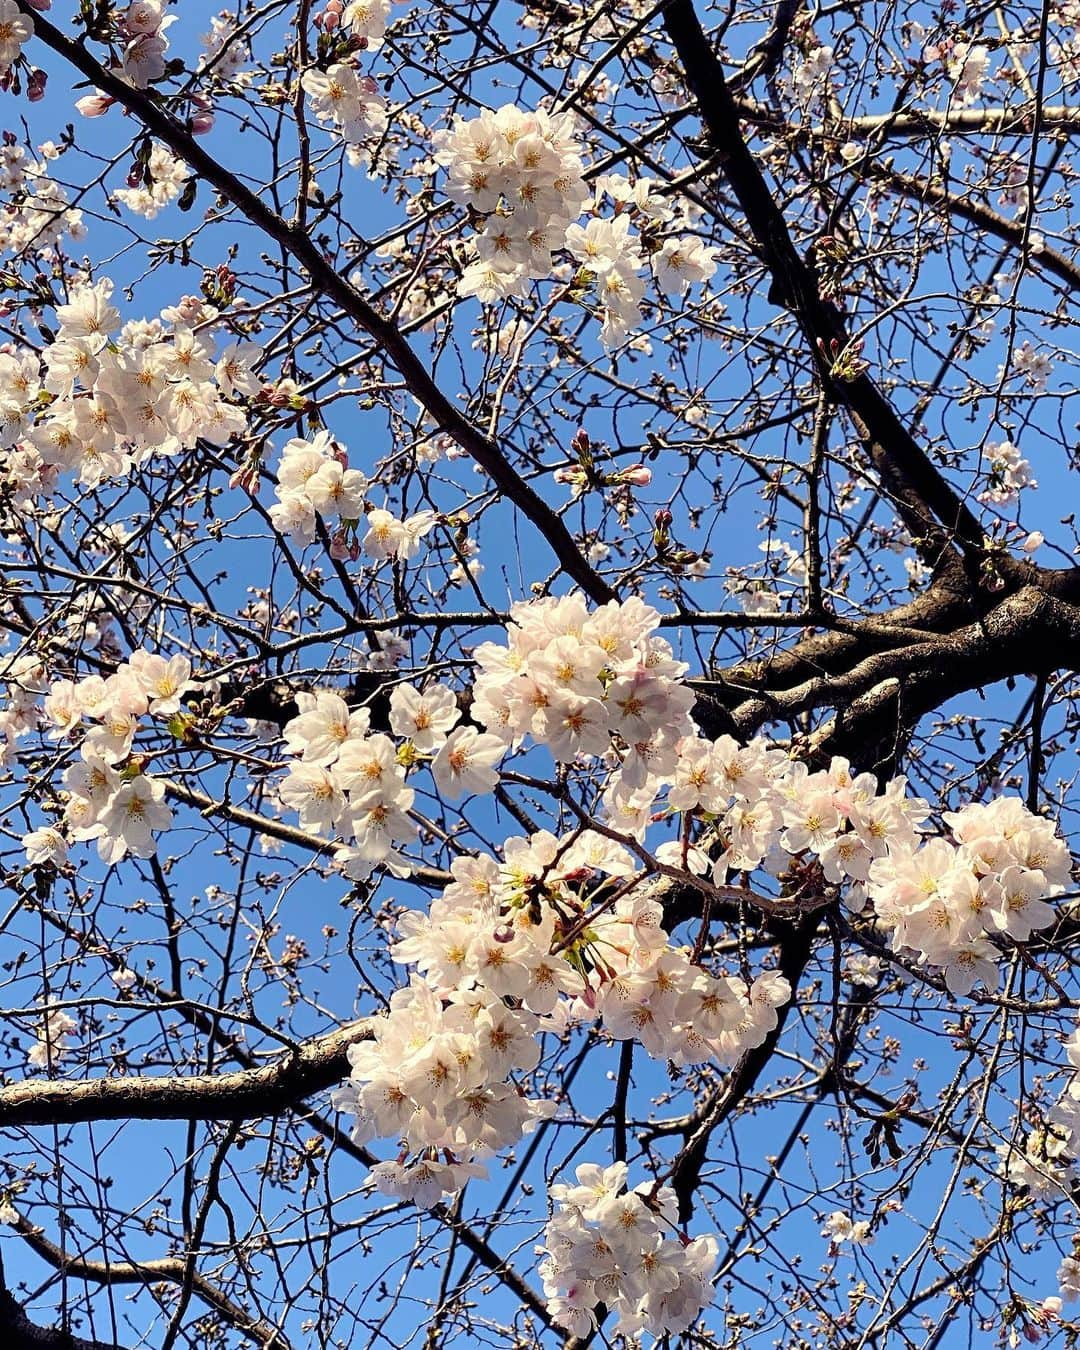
[316, 1064]
[918, 491]
[967, 208]
[170, 1268]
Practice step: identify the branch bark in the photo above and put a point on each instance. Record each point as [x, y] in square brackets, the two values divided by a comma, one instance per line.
[169, 1268]
[931, 510]
[18, 1332]
[317, 1064]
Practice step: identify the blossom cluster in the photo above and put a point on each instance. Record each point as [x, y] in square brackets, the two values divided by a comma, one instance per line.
[36, 215]
[349, 101]
[566, 929]
[812, 77]
[365, 19]
[439, 1075]
[224, 52]
[840, 1228]
[1010, 473]
[537, 941]
[968, 65]
[603, 684]
[53, 1039]
[620, 1248]
[108, 797]
[1048, 1163]
[111, 396]
[523, 173]
[24, 680]
[166, 177]
[605, 695]
[141, 31]
[340, 95]
[573, 680]
[944, 898]
[314, 481]
[351, 782]
[1034, 366]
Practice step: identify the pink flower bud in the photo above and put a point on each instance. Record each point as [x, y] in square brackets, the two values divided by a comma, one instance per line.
[638, 474]
[246, 478]
[94, 105]
[35, 86]
[339, 547]
[40, 5]
[201, 123]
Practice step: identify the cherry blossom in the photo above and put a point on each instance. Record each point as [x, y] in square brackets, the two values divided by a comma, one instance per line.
[16, 30]
[606, 1245]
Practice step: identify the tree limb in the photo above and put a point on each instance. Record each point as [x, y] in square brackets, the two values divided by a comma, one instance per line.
[918, 491]
[247, 1093]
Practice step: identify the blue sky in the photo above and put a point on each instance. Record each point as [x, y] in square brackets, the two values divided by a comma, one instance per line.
[816, 1178]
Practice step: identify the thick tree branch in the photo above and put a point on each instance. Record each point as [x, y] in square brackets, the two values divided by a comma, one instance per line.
[316, 1064]
[169, 1268]
[915, 124]
[17, 1332]
[918, 491]
[1028, 632]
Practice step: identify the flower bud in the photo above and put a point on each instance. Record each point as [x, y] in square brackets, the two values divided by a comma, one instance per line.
[639, 475]
[246, 478]
[94, 105]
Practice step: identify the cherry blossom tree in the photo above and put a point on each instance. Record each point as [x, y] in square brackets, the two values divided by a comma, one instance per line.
[537, 702]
